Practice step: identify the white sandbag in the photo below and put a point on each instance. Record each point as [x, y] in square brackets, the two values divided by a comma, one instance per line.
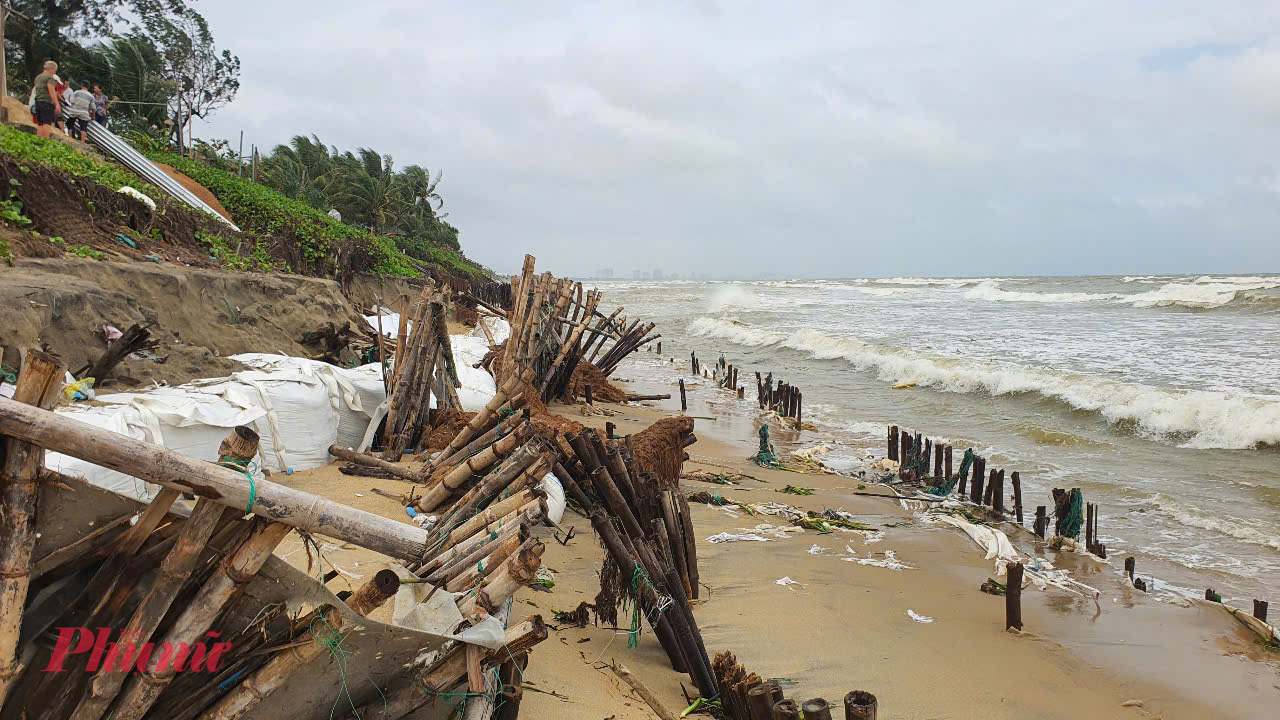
[120, 419]
[500, 329]
[555, 497]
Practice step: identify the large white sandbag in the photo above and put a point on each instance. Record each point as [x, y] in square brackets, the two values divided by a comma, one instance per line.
[118, 419]
[555, 497]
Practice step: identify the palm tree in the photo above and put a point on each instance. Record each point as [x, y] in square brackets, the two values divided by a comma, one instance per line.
[303, 170]
[368, 186]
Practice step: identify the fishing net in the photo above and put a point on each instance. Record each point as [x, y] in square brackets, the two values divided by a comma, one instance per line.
[659, 449]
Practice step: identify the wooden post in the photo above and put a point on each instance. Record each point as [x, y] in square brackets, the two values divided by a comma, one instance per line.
[946, 461]
[1013, 598]
[1130, 566]
[904, 447]
[1041, 524]
[1260, 609]
[1017, 496]
[786, 710]
[741, 394]
[988, 496]
[997, 496]
[975, 494]
[609, 430]
[1088, 527]
[684, 402]
[799, 411]
[893, 442]
[587, 392]
[38, 384]
[817, 709]
[659, 347]
[760, 701]
[860, 705]
[937, 461]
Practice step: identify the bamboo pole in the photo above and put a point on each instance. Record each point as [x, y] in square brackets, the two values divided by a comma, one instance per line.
[514, 573]
[252, 690]
[570, 341]
[643, 691]
[492, 514]
[469, 574]
[169, 580]
[228, 487]
[38, 385]
[144, 689]
[399, 472]
[506, 389]
[479, 462]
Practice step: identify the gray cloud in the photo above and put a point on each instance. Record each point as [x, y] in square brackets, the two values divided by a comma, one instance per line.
[802, 138]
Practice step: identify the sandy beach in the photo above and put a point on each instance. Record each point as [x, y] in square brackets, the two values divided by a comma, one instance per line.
[844, 624]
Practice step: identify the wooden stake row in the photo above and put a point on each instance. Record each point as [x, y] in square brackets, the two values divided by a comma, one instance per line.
[745, 696]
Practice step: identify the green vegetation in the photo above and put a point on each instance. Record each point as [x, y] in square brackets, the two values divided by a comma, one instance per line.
[63, 158]
[11, 212]
[263, 212]
[793, 490]
[6, 254]
[85, 251]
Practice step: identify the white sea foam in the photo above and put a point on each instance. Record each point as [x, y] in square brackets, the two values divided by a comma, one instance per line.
[1200, 418]
[733, 297]
[1141, 278]
[946, 282]
[1239, 529]
[884, 292]
[990, 290]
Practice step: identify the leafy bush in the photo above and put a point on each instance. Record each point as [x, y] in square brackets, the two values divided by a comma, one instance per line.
[85, 251]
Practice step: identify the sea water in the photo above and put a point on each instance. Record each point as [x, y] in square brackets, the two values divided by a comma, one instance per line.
[1158, 396]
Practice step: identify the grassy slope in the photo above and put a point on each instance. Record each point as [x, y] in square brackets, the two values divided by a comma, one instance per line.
[258, 210]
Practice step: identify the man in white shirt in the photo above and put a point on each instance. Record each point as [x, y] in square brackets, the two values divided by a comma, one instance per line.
[80, 109]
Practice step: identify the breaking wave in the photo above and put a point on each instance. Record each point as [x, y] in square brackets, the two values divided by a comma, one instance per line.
[1194, 418]
[1201, 294]
[945, 282]
[1238, 529]
[990, 290]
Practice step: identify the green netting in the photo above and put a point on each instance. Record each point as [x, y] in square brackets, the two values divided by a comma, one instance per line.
[1070, 524]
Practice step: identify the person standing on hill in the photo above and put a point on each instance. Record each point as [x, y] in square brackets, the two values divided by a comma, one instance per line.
[100, 103]
[48, 103]
[80, 108]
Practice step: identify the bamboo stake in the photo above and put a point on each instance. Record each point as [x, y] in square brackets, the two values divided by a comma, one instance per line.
[643, 691]
[476, 551]
[170, 578]
[38, 385]
[473, 573]
[232, 575]
[508, 420]
[228, 487]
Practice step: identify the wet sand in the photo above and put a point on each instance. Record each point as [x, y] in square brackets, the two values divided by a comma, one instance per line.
[845, 625]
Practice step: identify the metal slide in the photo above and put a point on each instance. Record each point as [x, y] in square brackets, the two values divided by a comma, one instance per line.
[137, 162]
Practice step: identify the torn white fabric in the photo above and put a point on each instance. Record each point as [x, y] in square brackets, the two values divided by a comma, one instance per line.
[993, 541]
[918, 617]
[440, 614]
[727, 537]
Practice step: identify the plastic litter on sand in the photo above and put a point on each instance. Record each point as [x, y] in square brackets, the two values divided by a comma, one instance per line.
[727, 537]
[918, 617]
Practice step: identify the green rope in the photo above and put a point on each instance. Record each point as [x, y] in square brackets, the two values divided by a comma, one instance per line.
[1070, 525]
[331, 639]
[8, 374]
[766, 456]
[633, 635]
[242, 466]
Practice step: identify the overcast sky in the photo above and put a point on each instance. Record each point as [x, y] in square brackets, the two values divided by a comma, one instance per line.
[820, 139]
